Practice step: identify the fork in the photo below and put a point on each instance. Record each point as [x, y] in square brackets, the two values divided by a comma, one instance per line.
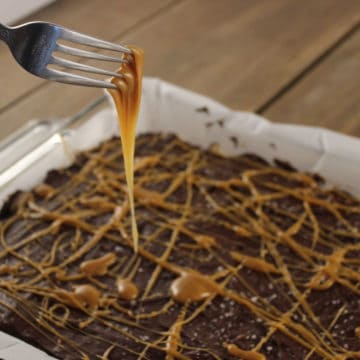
[33, 45]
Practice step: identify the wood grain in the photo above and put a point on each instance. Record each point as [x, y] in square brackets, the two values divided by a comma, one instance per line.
[88, 16]
[239, 52]
[329, 96]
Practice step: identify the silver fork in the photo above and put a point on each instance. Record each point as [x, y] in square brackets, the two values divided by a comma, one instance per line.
[34, 43]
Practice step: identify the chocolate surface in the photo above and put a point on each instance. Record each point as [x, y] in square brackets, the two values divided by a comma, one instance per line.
[238, 259]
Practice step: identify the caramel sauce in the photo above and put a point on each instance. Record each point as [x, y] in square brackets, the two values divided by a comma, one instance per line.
[148, 197]
[173, 341]
[87, 295]
[60, 274]
[44, 190]
[7, 269]
[174, 338]
[127, 102]
[127, 290]
[205, 241]
[83, 296]
[241, 231]
[145, 161]
[254, 263]
[192, 286]
[107, 353]
[99, 266]
[244, 354]
[346, 356]
[328, 274]
[68, 297]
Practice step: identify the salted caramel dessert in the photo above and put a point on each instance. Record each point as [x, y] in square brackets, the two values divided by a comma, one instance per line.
[236, 259]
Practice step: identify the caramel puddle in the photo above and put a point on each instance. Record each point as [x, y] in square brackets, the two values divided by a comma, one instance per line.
[127, 290]
[192, 287]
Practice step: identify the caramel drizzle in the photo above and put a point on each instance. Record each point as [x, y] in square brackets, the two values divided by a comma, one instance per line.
[102, 195]
[99, 266]
[244, 354]
[174, 338]
[127, 102]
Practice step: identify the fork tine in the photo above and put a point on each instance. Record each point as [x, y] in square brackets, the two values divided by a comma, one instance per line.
[76, 37]
[86, 54]
[64, 77]
[82, 67]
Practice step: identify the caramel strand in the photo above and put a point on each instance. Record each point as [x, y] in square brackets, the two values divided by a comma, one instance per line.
[99, 266]
[127, 99]
[244, 354]
[245, 231]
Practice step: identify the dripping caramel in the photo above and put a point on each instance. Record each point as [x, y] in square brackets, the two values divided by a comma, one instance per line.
[127, 102]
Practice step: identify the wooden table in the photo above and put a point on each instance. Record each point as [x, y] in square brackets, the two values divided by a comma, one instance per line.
[289, 60]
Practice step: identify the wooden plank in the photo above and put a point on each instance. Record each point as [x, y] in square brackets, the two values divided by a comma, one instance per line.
[239, 52]
[328, 96]
[89, 16]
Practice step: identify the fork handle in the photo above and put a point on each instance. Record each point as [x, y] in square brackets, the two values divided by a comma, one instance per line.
[4, 33]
